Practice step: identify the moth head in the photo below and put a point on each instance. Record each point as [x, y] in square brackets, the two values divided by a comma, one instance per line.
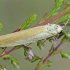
[59, 29]
[54, 29]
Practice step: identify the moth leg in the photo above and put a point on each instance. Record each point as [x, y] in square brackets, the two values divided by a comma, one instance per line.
[53, 41]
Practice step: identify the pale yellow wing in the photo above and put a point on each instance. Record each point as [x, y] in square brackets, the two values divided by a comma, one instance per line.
[12, 37]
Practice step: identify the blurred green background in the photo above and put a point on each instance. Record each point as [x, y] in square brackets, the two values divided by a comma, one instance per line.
[12, 14]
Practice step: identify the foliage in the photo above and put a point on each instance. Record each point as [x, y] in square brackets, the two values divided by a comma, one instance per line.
[28, 22]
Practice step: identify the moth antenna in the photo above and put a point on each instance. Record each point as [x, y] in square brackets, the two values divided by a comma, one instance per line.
[67, 22]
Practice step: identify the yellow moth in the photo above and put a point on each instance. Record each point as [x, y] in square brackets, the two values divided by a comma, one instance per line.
[29, 35]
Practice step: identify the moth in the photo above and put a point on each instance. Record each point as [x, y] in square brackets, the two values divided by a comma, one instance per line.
[30, 35]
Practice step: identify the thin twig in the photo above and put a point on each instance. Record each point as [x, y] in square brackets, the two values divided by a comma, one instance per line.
[45, 60]
[7, 52]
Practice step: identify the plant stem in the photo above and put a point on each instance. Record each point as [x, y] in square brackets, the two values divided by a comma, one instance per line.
[51, 19]
[17, 30]
[49, 55]
[7, 52]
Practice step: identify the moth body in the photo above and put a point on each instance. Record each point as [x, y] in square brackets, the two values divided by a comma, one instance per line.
[29, 35]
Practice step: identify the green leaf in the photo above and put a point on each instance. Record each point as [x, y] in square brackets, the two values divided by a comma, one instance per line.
[1, 26]
[18, 47]
[39, 65]
[57, 6]
[65, 55]
[15, 63]
[66, 9]
[63, 19]
[25, 51]
[7, 57]
[35, 58]
[56, 52]
[48, 63]
[28, 22]
[40, 44]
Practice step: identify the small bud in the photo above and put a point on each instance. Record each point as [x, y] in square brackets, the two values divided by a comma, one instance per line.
[15, 63]
[2, 67]
[65, 55]
[40, 44]
[48, 63]
[28, 53]
[31, 53]
[17, 66]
